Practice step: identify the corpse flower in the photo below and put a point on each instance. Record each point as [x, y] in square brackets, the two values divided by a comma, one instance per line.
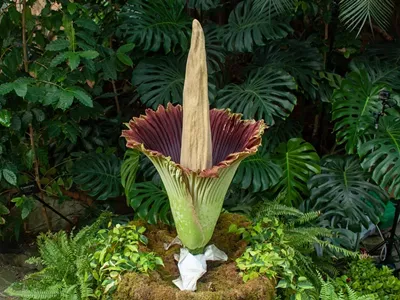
[195, 150]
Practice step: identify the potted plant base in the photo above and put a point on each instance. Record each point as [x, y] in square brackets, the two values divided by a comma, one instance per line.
[221, 281]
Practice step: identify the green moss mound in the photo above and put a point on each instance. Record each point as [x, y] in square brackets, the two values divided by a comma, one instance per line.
[221, 282]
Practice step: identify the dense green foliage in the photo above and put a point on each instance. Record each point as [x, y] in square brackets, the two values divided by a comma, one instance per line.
[282, 245]
[87, 265]
[365, 278]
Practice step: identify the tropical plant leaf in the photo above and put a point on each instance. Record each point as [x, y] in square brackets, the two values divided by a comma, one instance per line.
[354, 109]
[378, 71]
[257, 173]
[251, 24]
[150, 202]
[264, 95]
[239, 201]
[381, 155]
[214, 48]
[281, 132]
[343, 194]
[160, 81]
[299, 161]
[298, 58]
[129, 168]
[355, 13]
[155, 24]
[203, 4]
[99, 175]
[280, 6]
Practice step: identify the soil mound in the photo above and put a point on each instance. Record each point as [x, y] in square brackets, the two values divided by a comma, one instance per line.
[221, 282]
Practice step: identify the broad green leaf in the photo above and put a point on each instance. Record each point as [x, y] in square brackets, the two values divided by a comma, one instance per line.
[299, 161]
[156, 24]
[150, 202]
[27, 118]
[39, 114]
[125, 59]
[81, 96]
[204, 4]
[71, 8]
[257, 173]
[10, 176]
[251, 25]
[126, 48]
[99, 175]
[6, 88]
[74, 60]
[381, 155]
[20, 88]
[353, 109]
[264, 95]
[5, 117]
[60, 58]
[57, 45]
[87, 24]
[129, 169]
[4, 210]
[110, 71]
[89, 54]
[343, 194]
[160, 81]
[66, 100]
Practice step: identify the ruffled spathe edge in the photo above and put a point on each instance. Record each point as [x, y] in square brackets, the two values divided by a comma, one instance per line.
[251, 146]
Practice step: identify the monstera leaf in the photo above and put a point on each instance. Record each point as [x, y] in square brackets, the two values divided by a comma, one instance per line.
[379, 71]
[281, 132]
[298, 58]
[257, 173]
[251, 24]
[343, 194]
[160, 81]
[299, 161]
[129, 169]
[203, 4]
[214, 48]
[381, 155]
[155, 24]
[150, 202]
[354, 108]
[99, 175]
[264, 95]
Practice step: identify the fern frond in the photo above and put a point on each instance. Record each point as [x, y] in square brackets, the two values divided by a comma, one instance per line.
[279, 210]
[336, 249]
[307, 217]
[51, 292]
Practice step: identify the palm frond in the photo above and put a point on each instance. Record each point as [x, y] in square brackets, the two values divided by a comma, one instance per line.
[355, 13]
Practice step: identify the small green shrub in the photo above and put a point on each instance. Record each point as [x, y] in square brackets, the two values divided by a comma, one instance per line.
[365, 278]
[117, 251]
[87, 265]
[282, 244]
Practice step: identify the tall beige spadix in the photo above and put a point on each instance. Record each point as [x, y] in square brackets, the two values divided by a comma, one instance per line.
[196, 150]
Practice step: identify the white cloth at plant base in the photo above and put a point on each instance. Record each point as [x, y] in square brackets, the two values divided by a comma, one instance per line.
[192, 267]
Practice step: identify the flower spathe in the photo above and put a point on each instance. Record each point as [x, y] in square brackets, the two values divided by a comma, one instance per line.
[196, 197]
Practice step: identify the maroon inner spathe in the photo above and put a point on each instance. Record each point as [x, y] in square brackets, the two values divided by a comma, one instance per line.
[161, 131]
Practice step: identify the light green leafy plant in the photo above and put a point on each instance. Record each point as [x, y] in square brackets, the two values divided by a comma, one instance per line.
[117, 251]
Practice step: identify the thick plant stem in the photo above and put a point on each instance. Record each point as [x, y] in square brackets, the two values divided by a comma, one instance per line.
[196, 151]
[37, 176]
[24, 46]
